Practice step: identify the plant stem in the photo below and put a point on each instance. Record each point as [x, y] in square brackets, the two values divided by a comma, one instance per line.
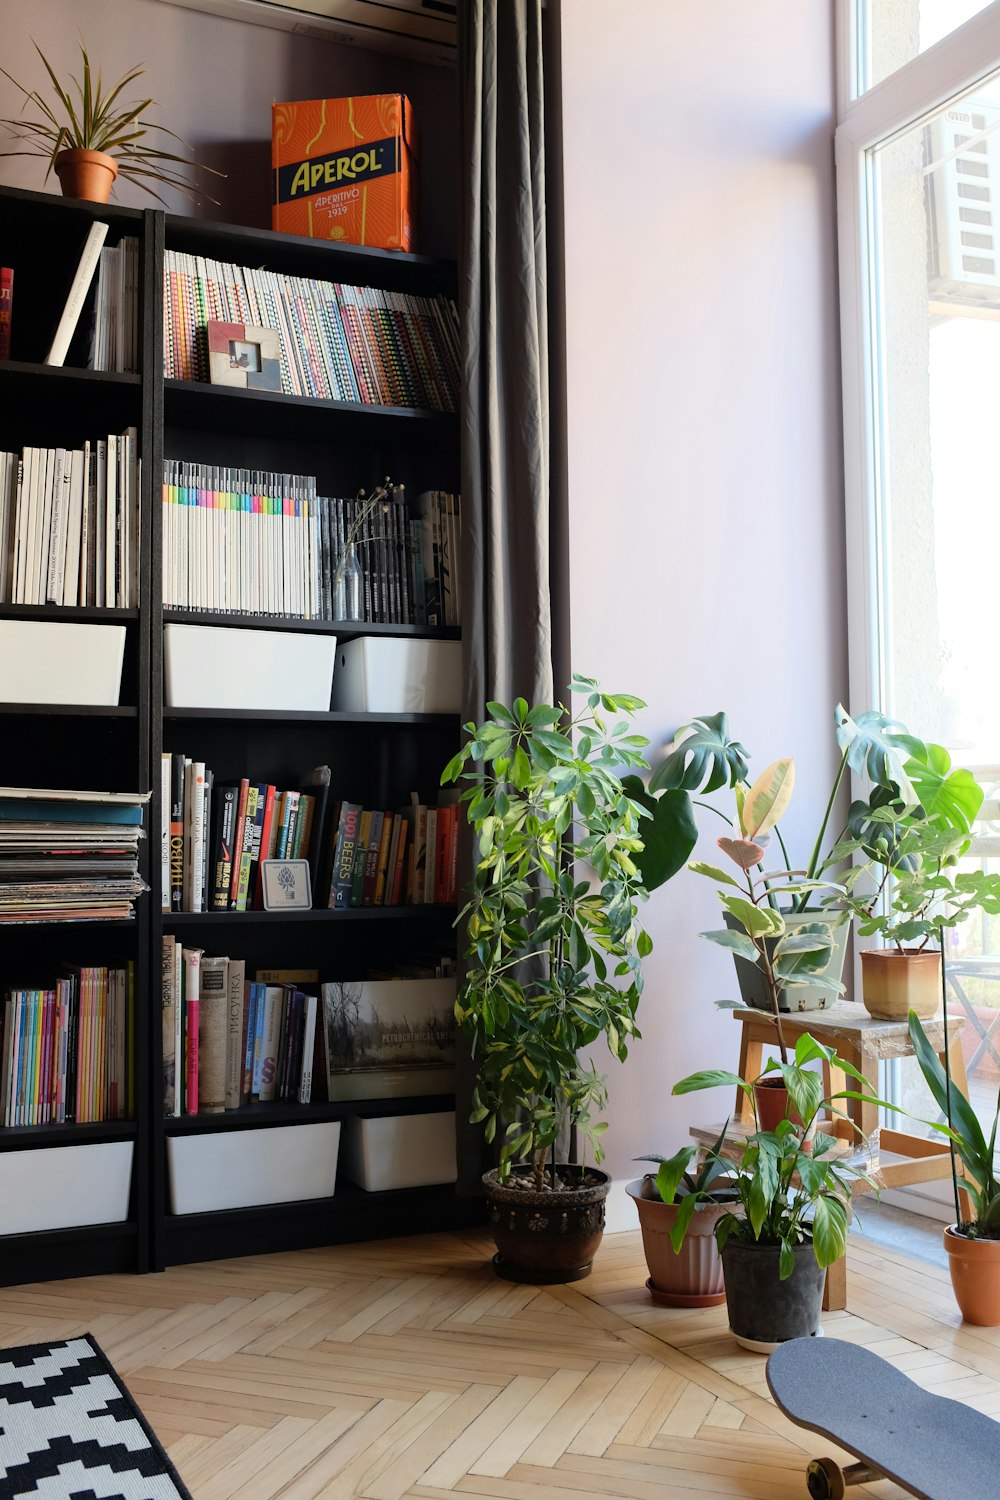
[814, 857]
[947, 1076]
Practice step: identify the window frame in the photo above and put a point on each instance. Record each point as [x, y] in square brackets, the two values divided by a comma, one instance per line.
[899, 102]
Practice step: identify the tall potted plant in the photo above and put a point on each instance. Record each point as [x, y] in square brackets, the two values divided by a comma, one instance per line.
[553, 959]
[794, 1200]
[679, 1206]
[973, 1245]
[90, 135]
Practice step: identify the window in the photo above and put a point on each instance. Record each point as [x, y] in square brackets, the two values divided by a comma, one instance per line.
[890, 33]
[919, 198]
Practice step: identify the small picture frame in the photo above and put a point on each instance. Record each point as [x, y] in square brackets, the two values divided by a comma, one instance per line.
[285, 884]
[239, 355]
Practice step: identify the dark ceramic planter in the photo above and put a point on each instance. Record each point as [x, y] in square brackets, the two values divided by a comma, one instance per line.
[548, 1236]
[763, 1310]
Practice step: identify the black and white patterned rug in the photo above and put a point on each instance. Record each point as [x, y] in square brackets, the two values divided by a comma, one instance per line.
[69, 1430]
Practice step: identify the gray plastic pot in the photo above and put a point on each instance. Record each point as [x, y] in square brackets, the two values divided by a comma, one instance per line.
[764, 1310]
[753, 990]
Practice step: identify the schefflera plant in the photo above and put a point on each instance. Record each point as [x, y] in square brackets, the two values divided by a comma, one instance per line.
[785, 956]
[554, 944]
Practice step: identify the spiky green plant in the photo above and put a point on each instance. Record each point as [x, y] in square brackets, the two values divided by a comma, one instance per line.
[85, 117]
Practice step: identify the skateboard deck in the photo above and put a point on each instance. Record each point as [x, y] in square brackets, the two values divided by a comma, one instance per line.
[936, 1448]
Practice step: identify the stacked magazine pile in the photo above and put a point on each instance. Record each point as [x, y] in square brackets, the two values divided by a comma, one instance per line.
[68, 856]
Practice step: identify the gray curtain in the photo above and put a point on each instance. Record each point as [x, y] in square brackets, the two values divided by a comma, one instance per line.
[506, 526]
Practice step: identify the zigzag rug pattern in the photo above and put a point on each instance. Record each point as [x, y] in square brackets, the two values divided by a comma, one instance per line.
[69, 1428]
[407, 1369]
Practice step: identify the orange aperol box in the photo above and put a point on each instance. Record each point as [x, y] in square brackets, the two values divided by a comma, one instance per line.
[346, 169]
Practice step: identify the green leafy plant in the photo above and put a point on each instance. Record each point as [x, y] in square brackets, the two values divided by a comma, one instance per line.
[791, 1189]
[85, 116]
[554, 944]
[676, 1184]
[967, 1140]
[907, 841]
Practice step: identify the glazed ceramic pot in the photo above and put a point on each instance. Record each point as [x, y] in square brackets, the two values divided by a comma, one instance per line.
[547, 1236]
[894, 983]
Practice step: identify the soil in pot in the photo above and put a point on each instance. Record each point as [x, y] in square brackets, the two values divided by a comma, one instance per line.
[975, 1277]
[894, 983]
[692, 1276]
[547, 1236]
[763, 1309]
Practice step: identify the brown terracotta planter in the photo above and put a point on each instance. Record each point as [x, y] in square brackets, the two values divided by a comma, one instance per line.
[894, 983]
[771, 1099]
[86, 174]
[547, 1236]
[975, 1277]
[691, 1277]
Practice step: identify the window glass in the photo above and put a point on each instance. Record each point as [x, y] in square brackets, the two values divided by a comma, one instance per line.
[893, 32]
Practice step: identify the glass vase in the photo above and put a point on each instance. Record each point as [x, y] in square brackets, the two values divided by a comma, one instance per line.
[347, 591]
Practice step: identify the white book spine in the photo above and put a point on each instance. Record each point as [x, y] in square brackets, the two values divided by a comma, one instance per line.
[77, 293]
[308, 1044]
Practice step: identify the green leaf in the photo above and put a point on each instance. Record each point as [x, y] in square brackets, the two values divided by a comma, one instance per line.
[786, 1261]
[668, 1178]
[736, 942]
[759, 921]
[829, 1227]
[951, 799]
[669, 834]
[709, 1079]
[767, 800]
[685, 1213]
[875, 747]
[952, 1103]
[713, 873]
[703, 758]
[805, 1090]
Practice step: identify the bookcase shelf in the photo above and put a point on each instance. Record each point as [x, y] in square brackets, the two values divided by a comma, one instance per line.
[379, 757]
[414, 913]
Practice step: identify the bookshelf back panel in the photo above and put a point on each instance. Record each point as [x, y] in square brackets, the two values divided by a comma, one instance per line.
[338, 948]
[50, 408]
[92, 753]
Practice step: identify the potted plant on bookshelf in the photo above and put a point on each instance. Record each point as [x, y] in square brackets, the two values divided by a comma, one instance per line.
[973, 1244]
[91, 137]
[906, 887]
[678, 1210]
[553, 959]
[794, 1185]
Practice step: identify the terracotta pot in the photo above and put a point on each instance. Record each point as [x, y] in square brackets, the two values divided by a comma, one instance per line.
[547, 1236]
[692, 1276]
[86, 174]
[894, 983]
[975, 1277]
[771, 1099]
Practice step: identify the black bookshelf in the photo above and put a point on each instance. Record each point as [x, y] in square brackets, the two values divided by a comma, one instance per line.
[376, 758]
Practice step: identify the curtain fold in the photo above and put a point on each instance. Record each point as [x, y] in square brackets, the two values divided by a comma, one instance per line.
[506, 530]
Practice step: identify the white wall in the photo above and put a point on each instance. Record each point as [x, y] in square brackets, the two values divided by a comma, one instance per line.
[214, 81]
[705, 491]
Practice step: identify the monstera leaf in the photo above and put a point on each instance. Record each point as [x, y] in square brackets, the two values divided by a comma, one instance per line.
[951, 799]
[703, 758]
[669, 833]
[878, 748]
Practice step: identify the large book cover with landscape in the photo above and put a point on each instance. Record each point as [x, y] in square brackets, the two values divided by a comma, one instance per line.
[389, 1038]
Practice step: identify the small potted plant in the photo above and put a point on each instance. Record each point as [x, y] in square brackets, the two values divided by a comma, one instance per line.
[678, 1210]
[908, 839]
[794, 1198]
[553, 959]
[973, 1245]
[90, 136]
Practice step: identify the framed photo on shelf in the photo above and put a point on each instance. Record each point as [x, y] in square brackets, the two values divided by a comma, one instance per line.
[243, 356]
[285, 884]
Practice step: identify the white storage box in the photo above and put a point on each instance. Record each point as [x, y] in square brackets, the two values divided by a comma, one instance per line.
[400, 1151]
[62, 1187]
[56, 661]
[384, 675]
[241, 1168]
[209, 666]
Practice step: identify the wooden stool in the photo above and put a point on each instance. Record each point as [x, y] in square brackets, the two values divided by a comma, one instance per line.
[860, 1039]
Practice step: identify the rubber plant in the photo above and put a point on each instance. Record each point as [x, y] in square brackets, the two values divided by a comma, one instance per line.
[85, 116]
[554, 942]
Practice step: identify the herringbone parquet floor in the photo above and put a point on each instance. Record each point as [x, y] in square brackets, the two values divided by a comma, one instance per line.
[405, 1368]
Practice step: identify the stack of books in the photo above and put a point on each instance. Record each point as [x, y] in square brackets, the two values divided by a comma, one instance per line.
[242, 541]
[68, 856]
[69, 524]
[66, 1049]
[338, 342]
[230, 1041]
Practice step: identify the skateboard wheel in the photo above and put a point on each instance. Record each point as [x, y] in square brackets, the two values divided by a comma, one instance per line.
[824, 1480]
